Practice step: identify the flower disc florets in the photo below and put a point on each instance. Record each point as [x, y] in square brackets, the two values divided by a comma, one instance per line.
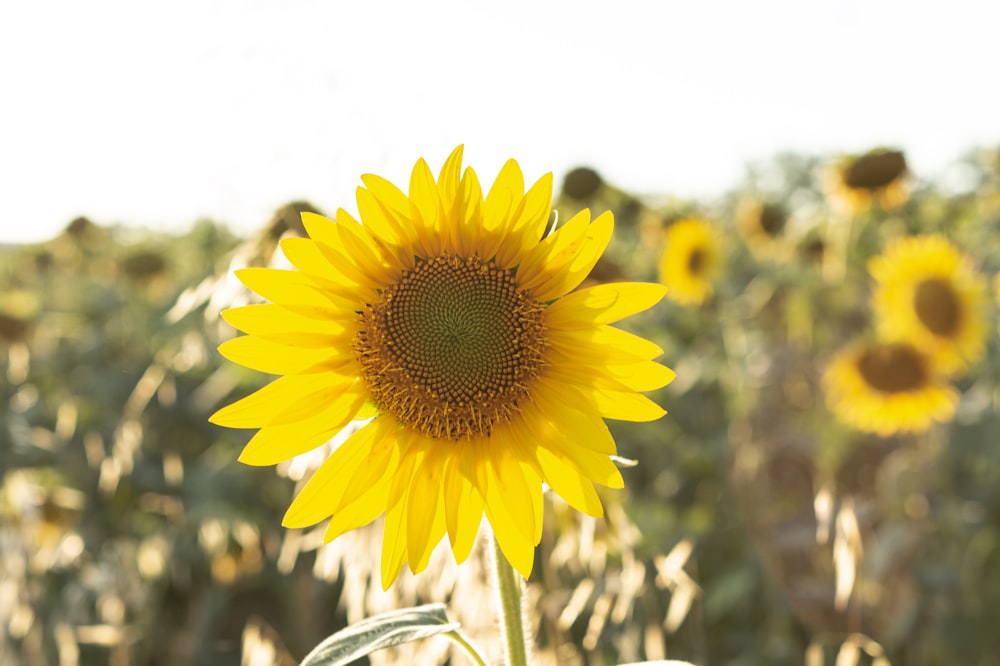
[449, 349]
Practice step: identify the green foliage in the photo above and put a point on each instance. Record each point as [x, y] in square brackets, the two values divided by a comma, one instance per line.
[380, 632]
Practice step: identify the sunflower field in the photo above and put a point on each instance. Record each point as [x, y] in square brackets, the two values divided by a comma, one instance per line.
[823, 489]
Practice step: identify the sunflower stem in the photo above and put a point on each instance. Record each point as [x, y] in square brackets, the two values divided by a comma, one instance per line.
[509, 587]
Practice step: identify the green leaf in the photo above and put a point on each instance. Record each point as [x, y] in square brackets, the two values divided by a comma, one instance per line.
[382, 631]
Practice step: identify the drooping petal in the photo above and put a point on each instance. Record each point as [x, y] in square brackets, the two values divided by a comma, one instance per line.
[425, 515]
[515, 545]
[367, 493]
[323, 493]
[394, 546]
[568, 483]
[462, 502]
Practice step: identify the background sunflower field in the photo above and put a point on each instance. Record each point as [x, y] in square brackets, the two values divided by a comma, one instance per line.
[759, 524]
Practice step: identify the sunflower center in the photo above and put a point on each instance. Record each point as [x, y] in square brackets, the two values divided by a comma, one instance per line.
[772, 219]
[937, 306]
[697, 261]
[875, 170]
[893, 368]
[450, 349]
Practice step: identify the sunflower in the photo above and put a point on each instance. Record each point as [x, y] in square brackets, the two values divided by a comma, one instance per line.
[928, 293]
[887, 388]
[876, 177]
[689, 261]
[762, 226]
[450, 320]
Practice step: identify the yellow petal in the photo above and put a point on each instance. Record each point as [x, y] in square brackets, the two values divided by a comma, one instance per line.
[462, 503]
[262, 406]
[505, 195]
[536, 212]
[640, 376]
[528, 222]
[541, 432]
[425, 197]
[272, 357]
[361, 512]
[378, 216]
[569, 484]
[468, 217]
[394, 548]
[646, 376]
[602, 344]
[294, 288]
[507, 477]
[370, 276]
[365, 253]
[366, 495]
[271, 320]
[507, 189]
[567, 275]
[626, 406]
[320, 228]
[515, 545]
[582, 425]
[424, 511]
[322, 494]
[450, 178]
[603, 304]
[305, 254]
[273, 444]
[538, 264]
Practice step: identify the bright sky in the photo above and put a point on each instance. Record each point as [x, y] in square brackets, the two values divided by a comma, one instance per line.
[158, 114]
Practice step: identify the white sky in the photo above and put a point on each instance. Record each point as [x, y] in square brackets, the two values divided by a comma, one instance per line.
[162, 113]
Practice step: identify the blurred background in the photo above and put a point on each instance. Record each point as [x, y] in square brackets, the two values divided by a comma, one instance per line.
[148, 150]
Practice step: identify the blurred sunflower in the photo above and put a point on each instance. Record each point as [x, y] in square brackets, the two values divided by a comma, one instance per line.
[928, 293]
[690, 260]
[876, 177]
[887, 388]
[762, 226]
[450, 315]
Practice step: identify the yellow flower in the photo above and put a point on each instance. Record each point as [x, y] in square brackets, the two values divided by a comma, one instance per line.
[452, 316]
[690, 260]
[876, 177]
[887, 388]
[762, 227]
[926, 292]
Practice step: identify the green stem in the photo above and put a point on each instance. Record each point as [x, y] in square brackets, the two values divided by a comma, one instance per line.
[460, 640]
[511, 611]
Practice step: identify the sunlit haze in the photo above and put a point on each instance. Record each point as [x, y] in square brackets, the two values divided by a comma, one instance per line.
[158, 115]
